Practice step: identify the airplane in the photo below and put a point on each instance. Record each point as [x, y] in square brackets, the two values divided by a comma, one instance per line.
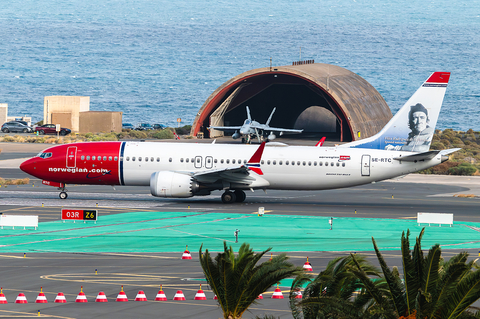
[253, 128]
[179, 170]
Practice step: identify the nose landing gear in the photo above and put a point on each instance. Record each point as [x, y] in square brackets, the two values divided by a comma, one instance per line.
[63, 194]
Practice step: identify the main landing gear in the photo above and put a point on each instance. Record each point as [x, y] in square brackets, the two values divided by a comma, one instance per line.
[63, 194]
[237, 196]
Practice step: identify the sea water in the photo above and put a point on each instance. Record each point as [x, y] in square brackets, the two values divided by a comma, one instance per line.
[157, 60]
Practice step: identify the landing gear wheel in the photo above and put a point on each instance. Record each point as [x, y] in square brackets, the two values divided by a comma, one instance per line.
[63, 195]
[240, 196]
[228, 197]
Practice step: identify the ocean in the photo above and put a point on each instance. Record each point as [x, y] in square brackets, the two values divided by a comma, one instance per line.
[158, 60]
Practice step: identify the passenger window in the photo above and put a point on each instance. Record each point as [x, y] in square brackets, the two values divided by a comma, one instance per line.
[228, 161]
[315, 163]
[245, 161]
[320, 163]
[293, 163]
[298, 162]
[187, 160]
[198, 160]
[88, 157]
[221, 161]
[109, 158]
[262, 162]
[104, 158]
[151, 159]
[93, 157]
[193, 160]
[309, 163]
[170, 159]
[181, 160]
[286, 162]
[343, 164]
[83, 157]
[133, 159]
[215, 161]
[209, 160]
[268, 162]
[338, 164]
[304, 163]
[158, 159]
[128, 158]
[331, 164]
[239, 161]
[99, 158]
[146, 159]
[139, 159]
[280, 163]
[233, 161]
[274, 162]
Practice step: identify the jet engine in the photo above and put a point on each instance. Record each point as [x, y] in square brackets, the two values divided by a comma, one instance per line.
[236, 135]
[171, 184]
[271, 136]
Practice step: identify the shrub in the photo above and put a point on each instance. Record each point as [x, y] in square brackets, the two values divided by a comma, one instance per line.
[163, 134]
[437, 146]
[465, 169]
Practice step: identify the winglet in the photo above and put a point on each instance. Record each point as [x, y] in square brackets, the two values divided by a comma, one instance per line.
[254, 163]
[320, 143]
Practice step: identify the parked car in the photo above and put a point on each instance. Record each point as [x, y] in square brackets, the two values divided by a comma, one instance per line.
[159, 126]
[14, 126]
[144, 127]
[128, 126]
[51, 129]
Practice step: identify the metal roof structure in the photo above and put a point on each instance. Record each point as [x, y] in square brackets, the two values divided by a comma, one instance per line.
[322, 97]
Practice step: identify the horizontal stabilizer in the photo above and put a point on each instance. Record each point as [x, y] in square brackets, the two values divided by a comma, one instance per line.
[417, 157]
[449, 151]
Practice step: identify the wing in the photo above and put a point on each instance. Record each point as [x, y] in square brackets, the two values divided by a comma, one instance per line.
[276, 129]
[224, 128]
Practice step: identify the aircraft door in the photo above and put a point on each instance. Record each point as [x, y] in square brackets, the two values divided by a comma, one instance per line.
[365, 165]
[198, 162]
[72, 156]
[208, 162]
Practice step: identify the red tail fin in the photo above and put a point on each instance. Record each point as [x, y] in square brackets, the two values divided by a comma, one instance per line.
[320, 143]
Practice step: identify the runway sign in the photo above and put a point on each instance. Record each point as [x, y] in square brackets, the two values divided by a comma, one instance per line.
[79, 214]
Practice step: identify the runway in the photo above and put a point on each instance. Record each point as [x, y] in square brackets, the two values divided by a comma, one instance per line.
[136, 252]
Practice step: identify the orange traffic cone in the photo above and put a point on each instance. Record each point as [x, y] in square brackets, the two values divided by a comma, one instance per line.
[81, 296]
[141, 296]
[298, 294]
[260, 296]
[160, 295]
[60, 298]
[3, 299]
[277, 294]
[307, 266]
[200, 295]
[179, 295]
[122, 296]
[215, 297]
[41, 297]
[186, 254]
[101, 297]
[21, 298]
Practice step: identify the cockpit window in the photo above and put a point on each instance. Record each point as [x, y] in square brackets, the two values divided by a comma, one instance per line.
[45, 155]
[247, 121]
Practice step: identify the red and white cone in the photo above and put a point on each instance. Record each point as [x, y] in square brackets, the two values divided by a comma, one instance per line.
[298, 294]
[160, 295]
[277, 294]
[260, 296]
[81, 296]
[3, 299]
[200, 295]
[60, 298]
[186, 254]
[215, 297]
[141, 296]
[21, 298]
[307, 266]
[101, 297]
[179, 295]
[41, 297]
[122, 296]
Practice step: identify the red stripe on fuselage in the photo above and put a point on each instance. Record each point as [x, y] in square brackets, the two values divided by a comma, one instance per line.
[79, 171]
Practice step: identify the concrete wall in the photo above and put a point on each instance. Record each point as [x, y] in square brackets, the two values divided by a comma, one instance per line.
[97, 121]
[3, 113]
[64, 119]
[65, 104]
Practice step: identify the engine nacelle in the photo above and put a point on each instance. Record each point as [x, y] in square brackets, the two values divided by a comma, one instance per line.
[271, 137]
[236, 135]
[171, 184]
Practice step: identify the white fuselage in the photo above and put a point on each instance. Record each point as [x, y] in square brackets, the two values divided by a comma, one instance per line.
[284, 167]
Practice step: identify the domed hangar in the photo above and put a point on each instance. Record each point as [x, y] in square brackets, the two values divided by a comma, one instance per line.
[318, 98]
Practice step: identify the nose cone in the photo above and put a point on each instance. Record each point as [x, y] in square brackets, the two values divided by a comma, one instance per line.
[28, 166]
